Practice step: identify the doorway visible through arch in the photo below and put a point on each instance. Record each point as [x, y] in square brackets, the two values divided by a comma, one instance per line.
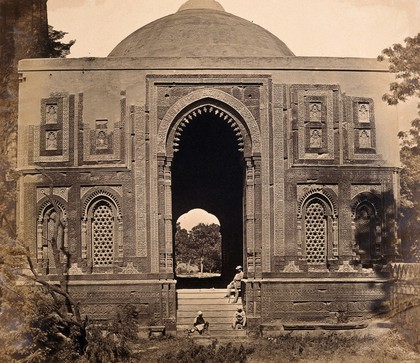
[207, 172]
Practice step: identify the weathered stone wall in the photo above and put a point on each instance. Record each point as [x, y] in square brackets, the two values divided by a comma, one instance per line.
[102, 299]
[104, 131]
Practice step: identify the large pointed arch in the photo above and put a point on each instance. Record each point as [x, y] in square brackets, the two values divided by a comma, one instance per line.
[228, 109]
[232, 107]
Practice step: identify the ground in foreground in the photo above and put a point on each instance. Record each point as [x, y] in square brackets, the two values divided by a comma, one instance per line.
[365, 345]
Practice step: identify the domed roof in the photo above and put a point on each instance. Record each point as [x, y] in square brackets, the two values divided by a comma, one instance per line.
[201, 28]
[201, 4]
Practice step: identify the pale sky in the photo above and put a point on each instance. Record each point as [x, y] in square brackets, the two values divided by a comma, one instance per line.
[330, 28]
[336, 28]
[195, 216]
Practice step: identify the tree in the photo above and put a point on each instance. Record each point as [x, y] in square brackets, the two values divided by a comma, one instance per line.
[55, 47]
[200, 247]
[8, 179]
[404, 62]
[40, 316]
[207, 242]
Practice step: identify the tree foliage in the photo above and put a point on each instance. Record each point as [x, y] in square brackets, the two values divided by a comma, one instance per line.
[55, 47]
[404, 62]
[35, 325]
[8, 178]
[200, 247]
[410, 192]
[40, 320]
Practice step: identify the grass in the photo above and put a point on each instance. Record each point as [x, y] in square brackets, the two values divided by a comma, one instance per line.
[309, 347]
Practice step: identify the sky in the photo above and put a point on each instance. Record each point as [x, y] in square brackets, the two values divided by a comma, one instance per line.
[195, 216]
[336, 28]
[330, 28]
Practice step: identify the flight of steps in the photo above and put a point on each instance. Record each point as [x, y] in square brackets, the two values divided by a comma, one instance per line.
[216, 310]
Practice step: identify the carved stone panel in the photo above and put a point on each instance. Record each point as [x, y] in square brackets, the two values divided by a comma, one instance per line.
[315, 114]
[53, 136]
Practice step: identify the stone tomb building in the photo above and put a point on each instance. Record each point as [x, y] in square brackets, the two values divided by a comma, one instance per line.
[296, 156]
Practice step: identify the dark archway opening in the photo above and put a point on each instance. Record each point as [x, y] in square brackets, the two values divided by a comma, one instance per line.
[366, 234]
[207, 173]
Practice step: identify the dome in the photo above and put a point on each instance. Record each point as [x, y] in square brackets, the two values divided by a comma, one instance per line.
[201, 4]
[201, 28]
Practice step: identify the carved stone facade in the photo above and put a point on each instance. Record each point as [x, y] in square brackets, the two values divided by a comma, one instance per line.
[306, 202]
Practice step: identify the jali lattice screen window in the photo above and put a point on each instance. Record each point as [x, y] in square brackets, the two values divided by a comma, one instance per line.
[103, 234]
[315, 232]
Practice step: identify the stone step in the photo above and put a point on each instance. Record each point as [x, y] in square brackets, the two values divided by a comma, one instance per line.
[217, 310]
[191, 294]
[222, 321]
[211, 294]
[194, 307]
[213, 299]
[213, 326]
[212, 290]
[211, 333]
[207, 313]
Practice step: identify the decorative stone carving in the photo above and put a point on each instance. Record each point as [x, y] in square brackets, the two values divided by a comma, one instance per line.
[329, 191]
[314, 107]
[357, 189]
[105, 225]
[315, 236]
[51, 140]
[129, 269]
[361, 135]
[315, 111]
[51, 111]
[138, 120]
[364, 139]
[75, 270]
[101, 141]
[363, 112]
[315, 138]
[62, 192]
[102, 191]
[346, 267]
[291, 267]
[238, 129]
[205, 93]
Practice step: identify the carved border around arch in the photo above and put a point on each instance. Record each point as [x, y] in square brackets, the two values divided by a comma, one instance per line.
[46, 204]
[327, 193]
[90, 196]
[246, 115]
[207, 107]
[367, 197]
[373, 200]
[101, 192]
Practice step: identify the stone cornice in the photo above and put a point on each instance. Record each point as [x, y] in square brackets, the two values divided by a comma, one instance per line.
[185, 63]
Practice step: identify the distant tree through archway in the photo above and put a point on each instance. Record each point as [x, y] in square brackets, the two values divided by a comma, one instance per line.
[198, 245]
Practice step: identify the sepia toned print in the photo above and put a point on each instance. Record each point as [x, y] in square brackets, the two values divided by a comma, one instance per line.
[296, 158]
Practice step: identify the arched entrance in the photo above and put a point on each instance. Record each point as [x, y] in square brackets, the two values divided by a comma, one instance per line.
[209, 157]
[207, 173]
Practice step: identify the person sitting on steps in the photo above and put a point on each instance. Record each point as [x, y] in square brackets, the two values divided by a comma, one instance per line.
[239, 319]
[235, 284]
[200, 324]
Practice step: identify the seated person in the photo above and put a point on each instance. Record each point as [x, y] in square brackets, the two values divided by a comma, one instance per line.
[199, 324]
[235, 284]
[239, 319]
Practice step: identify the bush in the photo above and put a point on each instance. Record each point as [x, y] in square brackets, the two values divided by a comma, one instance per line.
[210, 354]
